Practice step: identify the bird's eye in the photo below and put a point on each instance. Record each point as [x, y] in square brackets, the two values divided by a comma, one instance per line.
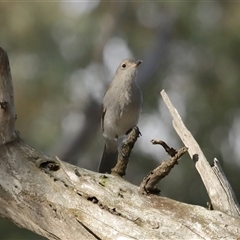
[124, 65]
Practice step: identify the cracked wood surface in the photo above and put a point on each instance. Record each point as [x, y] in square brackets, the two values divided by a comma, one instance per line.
[61, 201]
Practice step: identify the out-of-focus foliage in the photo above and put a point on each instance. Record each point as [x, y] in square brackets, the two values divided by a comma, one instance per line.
[63, 54]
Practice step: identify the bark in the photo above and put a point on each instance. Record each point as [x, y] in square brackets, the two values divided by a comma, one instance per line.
[61, 201]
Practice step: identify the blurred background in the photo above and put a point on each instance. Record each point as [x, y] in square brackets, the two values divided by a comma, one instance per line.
[63, 55]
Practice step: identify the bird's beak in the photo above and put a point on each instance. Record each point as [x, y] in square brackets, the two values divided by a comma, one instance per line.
[138, 62]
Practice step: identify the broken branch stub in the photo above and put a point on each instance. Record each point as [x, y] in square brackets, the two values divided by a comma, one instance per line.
[125, 151]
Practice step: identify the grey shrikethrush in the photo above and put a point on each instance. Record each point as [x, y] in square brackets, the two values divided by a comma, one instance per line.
[122, 105]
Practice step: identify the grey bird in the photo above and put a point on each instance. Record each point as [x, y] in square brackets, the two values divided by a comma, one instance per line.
[122, 105]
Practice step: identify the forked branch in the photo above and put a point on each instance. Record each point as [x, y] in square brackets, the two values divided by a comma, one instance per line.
[149, 182]
[221, 199]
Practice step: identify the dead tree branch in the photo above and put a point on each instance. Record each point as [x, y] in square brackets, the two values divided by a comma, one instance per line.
[61, 201]
[125, 151]
[149, 182]
[221, 199]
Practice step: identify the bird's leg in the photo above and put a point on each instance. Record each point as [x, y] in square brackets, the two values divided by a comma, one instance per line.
[136, 128]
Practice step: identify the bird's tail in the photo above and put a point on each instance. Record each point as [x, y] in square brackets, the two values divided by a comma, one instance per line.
[108, 161]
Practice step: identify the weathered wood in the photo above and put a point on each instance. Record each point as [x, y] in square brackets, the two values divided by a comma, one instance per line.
[125, 151]
[232, 200]
[217, 193]
[61, 201]
[7, 109]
